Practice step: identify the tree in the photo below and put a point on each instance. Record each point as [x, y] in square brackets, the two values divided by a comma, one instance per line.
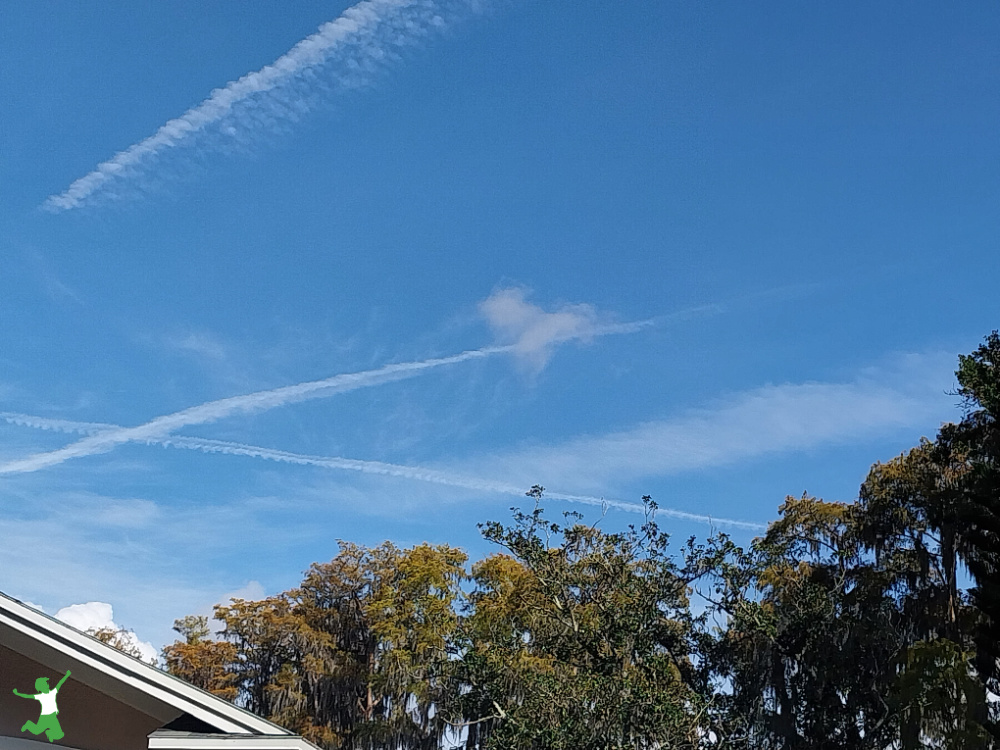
[203, 662]
[936, 506]
[912, 522]
[371, 646]
[413, 617]
[840, 628]
[122, 639]
[357, 656]
[576, 638]
[806, 630]
[262, 634]
[977, 439]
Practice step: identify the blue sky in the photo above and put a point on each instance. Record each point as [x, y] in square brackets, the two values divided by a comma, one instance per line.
[277, 274]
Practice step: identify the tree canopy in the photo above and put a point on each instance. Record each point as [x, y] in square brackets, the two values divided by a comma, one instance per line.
[843, 626]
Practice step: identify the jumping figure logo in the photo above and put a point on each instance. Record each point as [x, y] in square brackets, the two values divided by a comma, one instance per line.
[48, 722]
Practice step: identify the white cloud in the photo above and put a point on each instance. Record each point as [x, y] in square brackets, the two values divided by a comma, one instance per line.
[343, 54]
[98, 615]
[87, 616]
[533, 333]
[57, 425]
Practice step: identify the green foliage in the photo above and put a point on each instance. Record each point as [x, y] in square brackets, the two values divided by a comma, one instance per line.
[201, 661]
[977, 439]
[933, 695]
[193, 628]
[358, 655]
[805, 638]
[845, 626]
[576, 638]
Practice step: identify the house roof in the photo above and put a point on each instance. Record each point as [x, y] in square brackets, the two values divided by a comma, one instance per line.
[131, 681]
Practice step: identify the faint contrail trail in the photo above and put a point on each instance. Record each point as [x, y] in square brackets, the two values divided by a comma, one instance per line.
[418, 473]
[103, 441]
[348, 51]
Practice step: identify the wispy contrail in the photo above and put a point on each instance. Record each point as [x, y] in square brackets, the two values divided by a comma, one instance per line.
[105, 440]
[343, 54]
[418, 473]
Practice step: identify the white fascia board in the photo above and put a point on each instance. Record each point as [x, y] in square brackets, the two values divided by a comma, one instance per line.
[166, 740]
[128, 670]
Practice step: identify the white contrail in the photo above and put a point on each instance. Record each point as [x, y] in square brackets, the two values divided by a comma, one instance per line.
[418, 473]
[348, 51]
[103, 441]
[423, 474]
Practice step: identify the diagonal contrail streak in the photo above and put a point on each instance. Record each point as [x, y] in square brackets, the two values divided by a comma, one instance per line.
[159, 427]
[418, 473]
[343, 54]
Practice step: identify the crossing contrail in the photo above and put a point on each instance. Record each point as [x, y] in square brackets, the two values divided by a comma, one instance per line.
[105, 440]
[536, 333]
[343, 54]
[418, 473]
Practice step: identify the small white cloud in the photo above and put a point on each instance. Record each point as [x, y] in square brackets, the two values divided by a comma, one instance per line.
[533, 332]
[98, 615]
[87, 616]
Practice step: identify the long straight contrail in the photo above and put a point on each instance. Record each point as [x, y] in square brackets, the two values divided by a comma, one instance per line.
[433, 476]
[343, 54]
[103, 441]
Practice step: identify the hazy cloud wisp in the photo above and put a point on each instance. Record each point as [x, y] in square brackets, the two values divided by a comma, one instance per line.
[749, 425]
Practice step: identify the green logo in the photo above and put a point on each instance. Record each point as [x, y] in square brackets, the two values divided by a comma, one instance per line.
[48, 722]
